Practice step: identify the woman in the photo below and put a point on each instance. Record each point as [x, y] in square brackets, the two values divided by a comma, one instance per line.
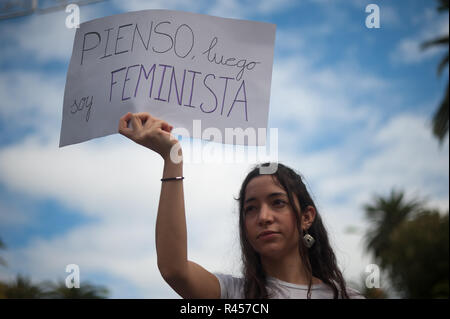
[285, 247]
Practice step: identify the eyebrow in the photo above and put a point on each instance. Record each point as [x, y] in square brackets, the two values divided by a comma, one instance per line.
[268, 196]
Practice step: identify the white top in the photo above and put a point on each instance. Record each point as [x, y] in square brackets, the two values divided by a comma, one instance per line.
[233, 288]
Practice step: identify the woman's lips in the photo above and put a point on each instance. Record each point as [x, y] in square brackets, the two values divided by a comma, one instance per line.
[267, 235]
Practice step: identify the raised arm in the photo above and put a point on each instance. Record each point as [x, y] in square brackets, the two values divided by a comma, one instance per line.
[187, 278]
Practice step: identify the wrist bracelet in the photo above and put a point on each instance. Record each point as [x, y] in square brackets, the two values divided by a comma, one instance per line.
[178, 178]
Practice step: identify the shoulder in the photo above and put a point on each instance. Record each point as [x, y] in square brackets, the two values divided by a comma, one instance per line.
[354, 294]
[285, 290]
[351, 292]
[231, 287]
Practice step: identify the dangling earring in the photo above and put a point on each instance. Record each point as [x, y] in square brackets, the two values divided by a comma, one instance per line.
[308, 240]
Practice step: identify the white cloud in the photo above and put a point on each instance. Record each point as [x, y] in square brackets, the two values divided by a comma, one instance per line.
[409, 50]
[242, 9]
[45, 36]
[10, 216]
[32, 100]
[403, 154]
[228, 9]
[389, 16]
[136, 5]
[316, 100]
[271, 6]
[124, 252]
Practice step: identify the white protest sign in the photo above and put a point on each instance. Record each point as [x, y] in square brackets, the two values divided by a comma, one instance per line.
[196, 72]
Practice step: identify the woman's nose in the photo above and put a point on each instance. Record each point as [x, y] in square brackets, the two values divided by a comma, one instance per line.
[265, 215]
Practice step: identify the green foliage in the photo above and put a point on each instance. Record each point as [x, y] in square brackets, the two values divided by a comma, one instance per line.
[441, 115]
[2, 260]
[411, 244]
[23, 288]
[418, 257]
[385, 215]
[86, 291]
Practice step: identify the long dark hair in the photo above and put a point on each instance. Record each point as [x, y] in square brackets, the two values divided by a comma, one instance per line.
[319, 260]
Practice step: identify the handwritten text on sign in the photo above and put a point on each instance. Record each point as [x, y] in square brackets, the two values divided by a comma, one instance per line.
[177, 66]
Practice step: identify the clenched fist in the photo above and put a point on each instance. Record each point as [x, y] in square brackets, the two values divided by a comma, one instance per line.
[150, 132]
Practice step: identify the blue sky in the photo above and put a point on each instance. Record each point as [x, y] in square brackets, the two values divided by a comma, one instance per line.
[352, 106]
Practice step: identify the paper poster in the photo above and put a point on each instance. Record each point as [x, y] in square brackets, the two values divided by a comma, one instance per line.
[197, 72]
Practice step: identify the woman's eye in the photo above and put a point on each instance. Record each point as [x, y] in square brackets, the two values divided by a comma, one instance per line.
[249, 208]
[279, 202]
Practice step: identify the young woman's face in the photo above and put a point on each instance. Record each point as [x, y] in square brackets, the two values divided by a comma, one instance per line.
[269, 218]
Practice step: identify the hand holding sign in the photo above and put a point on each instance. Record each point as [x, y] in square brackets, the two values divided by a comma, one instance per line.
[178, 66]
[148, 131]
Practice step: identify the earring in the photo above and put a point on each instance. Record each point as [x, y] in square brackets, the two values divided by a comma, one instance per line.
[308, 240]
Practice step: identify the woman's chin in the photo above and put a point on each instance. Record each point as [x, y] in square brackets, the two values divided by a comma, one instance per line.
[271, 251]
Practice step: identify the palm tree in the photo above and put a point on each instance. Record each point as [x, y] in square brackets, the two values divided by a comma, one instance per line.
[386, 214]
[3, 286]
[440, 117]
[2, 260]
[86, 291]
[22, 288]
[418, 258]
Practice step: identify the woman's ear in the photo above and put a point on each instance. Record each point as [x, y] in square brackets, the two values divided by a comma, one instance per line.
[308, 217]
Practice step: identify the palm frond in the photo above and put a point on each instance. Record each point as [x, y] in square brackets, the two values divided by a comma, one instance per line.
[385, 215]
[2, 260]
[443, 5]
[442, 65]
[443, 40]
[440, 118]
